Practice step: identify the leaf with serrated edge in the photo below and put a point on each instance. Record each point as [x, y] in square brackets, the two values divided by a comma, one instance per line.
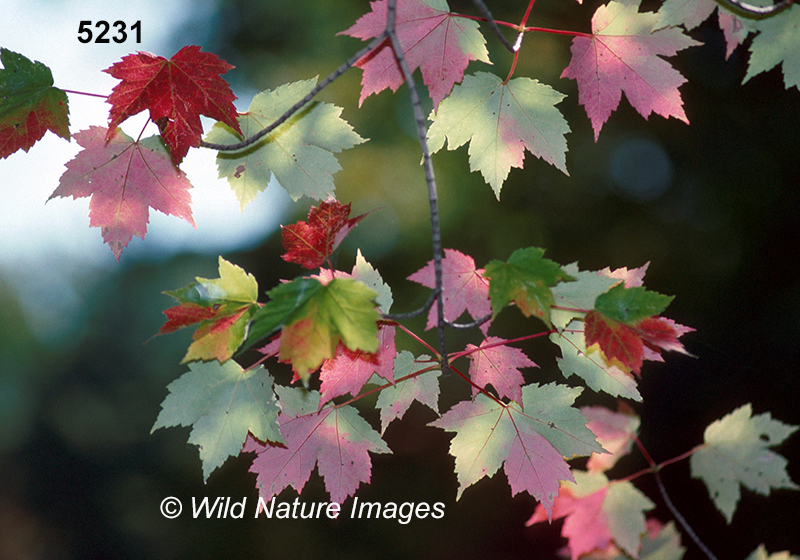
[222, 403]
[532, 444]
[299, 153]
[599, 513]
[29, 104]
[592, 368]
[736, 453]
[335, 440]
[494, 362]
[777, 42]
[500, 121]
[393, 402]
[578, 297]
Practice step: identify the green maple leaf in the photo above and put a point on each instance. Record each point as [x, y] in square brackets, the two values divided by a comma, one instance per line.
[628, 305]
[222, 403]
[29, 104]
[501, 120]
[736, 453]
[220, 307]
[299, 153]
[532, 440]
[778, 42]
[315, 317]
[525, 279]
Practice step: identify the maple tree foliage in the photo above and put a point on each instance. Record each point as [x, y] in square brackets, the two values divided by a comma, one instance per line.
[337, 330]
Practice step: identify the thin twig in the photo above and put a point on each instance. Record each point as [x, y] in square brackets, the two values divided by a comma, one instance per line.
[493, 25]
[433, 197]
[749, 11]
[411, 314]
[686, 527]
[472, 325]
[300, 104]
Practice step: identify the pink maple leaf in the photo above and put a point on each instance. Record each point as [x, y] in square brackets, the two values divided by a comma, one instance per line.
[433, 39]
[495, 363]
[335, 440]
[622, 54]
[464, 288]
[614, 430]
[124, 179]
[347, 371]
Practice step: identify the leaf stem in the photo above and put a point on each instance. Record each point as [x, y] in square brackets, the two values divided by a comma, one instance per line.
[478, 387]
[461, 354]
[418, 339]
[433, 197]
[559, 32]
[84, 93]
[386, 385]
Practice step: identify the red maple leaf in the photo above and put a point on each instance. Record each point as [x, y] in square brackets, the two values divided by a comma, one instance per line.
[176, 92]
[629, 345]
[433, 39]
[310, 243]
[622, 55]
[186, 314]
[498, 365]
[464, 288]
[124, 179]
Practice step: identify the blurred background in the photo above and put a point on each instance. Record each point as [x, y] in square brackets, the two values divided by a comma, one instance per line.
[712, 206]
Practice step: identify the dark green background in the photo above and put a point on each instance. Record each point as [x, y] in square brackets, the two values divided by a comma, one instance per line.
[83, 478]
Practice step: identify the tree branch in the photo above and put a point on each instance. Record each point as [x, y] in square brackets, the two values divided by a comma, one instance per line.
[374, 44]
[433, 197]
[749, 11]
[493, 24]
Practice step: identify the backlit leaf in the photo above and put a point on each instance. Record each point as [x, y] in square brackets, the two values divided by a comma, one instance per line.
[29, 104]
[125, 179]
[222, 403]
[500, 121]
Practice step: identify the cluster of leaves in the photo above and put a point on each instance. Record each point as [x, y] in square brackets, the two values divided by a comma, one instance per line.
[339, 324]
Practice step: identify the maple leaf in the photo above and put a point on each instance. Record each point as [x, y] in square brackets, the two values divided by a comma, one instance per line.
[222, 403]
[532, 444]
[689, 13]
[594, 370]
[310, 243]
[500, 120]
[299, 153]
[315, 317]
[761, 553]
[394, 401]
[335, 440]
[348, 371]
[29, 104]
[777, 42]
[525, 279]
[614, 430]
[438, 42]
[599, 513]
[622, 54]
[623, 327]
[124, 179]
[736, 453]
[176, 92]
[222, 307]
[499, 365]
[574, 299]
[463, 288]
